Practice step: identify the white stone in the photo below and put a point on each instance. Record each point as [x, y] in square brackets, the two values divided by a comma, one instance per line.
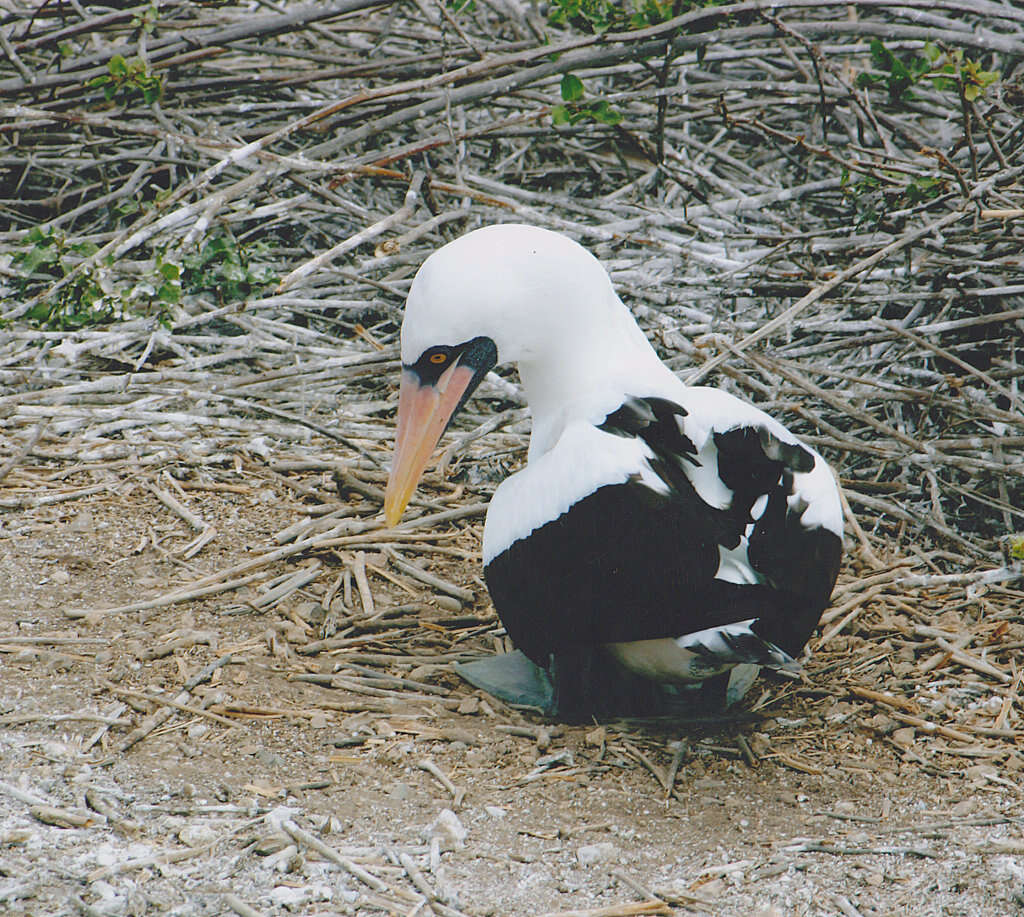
[591, 854]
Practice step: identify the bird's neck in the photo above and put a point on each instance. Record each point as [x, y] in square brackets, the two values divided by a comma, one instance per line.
[588, 379]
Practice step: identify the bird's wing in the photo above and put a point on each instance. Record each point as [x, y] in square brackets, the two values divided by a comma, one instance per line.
[651, 526]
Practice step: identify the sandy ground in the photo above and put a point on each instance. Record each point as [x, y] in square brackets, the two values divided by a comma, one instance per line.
[218, 809]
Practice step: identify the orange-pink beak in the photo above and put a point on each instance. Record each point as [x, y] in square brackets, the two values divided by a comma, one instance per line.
[424, 410]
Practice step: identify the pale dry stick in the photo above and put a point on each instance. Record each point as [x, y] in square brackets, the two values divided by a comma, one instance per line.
[940, 659]
[371, 232]
[115, 712]
[175, 44]
[178, 508]
[292, 583]
[1009, 699]
[655, 771]
[416, 877]
[358, 567]
[51, 719]
[53, 499]
[973, 578]
[880, 697]
[429, 579]
[824, 289]
[219, 582]
[161, 716]
[457, 793]
[473, 509]
[976, 663]
[21, 795]
[851, 517]
[933, 728]
[25, 449]
[27, 75]
[168, 702]
[240, 907]
[171, 598]
[866, 582]
[656, 908]
[98, 803]
[952, 358]
[302, 836]
[159, 859]
[682, 750]
[846, 907]
[850, 610]
[64, 818]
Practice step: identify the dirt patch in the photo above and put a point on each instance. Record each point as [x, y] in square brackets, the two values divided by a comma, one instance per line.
[809, 801]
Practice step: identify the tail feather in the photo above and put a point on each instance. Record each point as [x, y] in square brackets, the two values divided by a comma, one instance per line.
[733, 644]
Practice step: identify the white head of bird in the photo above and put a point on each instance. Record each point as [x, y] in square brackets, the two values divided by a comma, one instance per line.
[511, 294]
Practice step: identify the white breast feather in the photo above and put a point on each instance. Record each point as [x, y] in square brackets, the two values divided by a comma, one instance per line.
[584, 459]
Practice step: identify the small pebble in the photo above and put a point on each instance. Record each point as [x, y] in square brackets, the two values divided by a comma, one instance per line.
[447, 603]
[904, 736]
[964, 807]
[591, 854]
[197, 835]
[447, 825]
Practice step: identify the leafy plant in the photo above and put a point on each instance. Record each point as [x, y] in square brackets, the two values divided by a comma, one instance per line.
[600, 16]
[873, 197]
[946, 70]
[128, 79]
[83, 301]
[223, 268]
[573, 109]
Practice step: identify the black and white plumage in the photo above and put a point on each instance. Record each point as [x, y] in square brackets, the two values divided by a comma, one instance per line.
[676, 530]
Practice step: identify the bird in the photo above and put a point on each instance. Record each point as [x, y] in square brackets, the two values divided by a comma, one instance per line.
[660, 537]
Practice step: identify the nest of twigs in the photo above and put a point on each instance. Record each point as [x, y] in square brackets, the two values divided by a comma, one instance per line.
[211, 217]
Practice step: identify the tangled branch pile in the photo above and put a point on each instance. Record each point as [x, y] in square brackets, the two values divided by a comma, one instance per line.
[211, 214]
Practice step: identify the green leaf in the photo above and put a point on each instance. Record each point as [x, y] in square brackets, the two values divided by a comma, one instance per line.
[572, 88]
[972, 91]
[603, 112]
[169, 292]
[118, 67]
[169, 271]
[559, 115]
[880, 55]
[40, 312]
